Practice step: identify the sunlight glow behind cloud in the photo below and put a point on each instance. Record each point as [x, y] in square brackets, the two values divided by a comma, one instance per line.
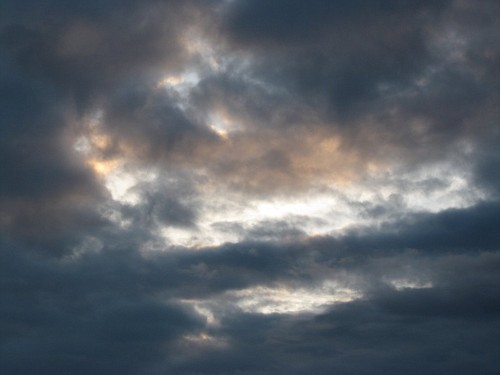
[249, 187]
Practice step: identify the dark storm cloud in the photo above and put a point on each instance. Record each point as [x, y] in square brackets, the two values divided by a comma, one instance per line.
[448, 328]
[115, 309]
[355, 339]
[44, 190]
[488, 163]
[110, 310]
[394, 78]
[340, 50]
[90, 47]
[30, 121]
[468, 229]
[83, 320]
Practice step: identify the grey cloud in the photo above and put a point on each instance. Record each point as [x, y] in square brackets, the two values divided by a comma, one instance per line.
[151, 123]
[92, 47]
[487, 166]
[44, 189]
[279, 230]
[251, 100]
[381, 73]
[390, 332]
[342, 50]
[171, 203]
[82, 292]
[52, 321]
[34, 114]
[472, 228]
[446, 328]
[466, 230]
[96, 311]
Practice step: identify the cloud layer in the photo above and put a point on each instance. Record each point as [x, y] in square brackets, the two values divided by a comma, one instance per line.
[249, 187]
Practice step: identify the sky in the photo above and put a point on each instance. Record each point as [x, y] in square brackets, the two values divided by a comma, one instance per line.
[249, 187]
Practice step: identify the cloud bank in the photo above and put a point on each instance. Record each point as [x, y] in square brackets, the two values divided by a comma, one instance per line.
[249, 187]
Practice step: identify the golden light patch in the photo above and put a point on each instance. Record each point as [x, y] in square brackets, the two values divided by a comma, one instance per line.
[100, 141]
[103, 167]
[93, 143]
[114, 172]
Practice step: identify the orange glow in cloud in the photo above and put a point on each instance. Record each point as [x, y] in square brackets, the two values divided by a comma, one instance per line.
[102, 167]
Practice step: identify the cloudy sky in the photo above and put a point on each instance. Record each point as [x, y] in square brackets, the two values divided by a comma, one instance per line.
[250, 187]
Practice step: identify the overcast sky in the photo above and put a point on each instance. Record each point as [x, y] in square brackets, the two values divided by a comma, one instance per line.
[250, 187]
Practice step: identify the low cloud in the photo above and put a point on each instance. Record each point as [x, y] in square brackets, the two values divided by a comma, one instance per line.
[255, 187]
